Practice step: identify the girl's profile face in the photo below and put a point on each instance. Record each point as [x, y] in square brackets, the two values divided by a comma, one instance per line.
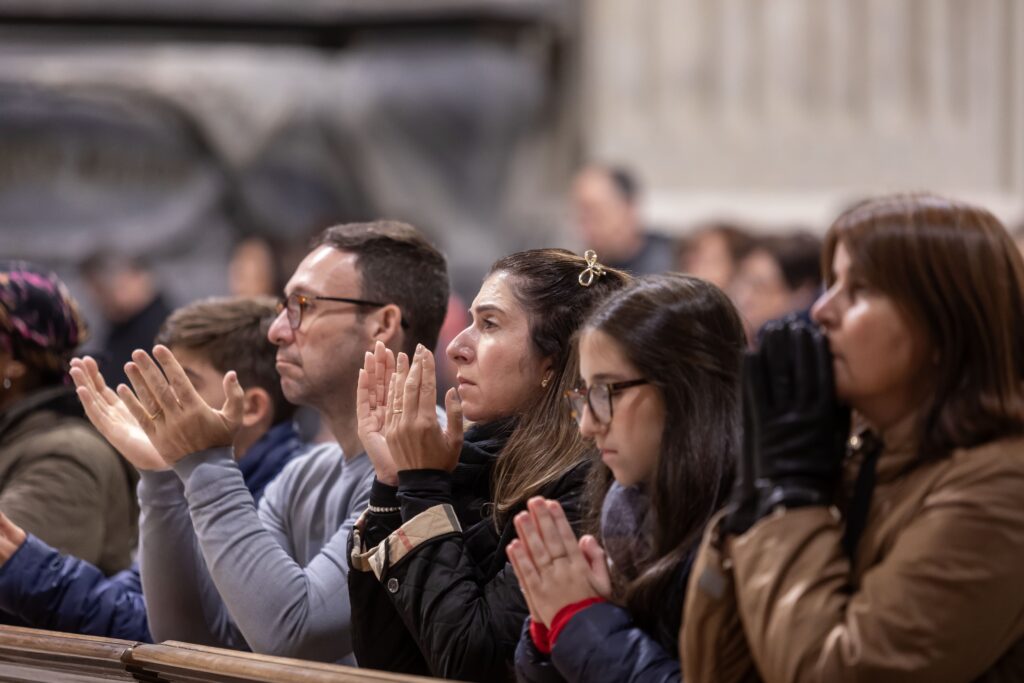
[880, 360]
[630, 442]
[499, 372]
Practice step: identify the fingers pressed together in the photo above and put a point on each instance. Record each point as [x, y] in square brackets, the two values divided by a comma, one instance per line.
[552, 569]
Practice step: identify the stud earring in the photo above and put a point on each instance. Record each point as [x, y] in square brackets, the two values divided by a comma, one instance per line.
[544, 382]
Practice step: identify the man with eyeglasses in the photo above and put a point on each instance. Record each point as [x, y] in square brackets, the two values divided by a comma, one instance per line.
[215, 569]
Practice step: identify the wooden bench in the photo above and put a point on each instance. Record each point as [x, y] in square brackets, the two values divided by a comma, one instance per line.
[31, 656]
[52, 656]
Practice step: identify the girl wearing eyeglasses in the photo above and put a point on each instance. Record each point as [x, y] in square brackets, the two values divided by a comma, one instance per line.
[660, 362]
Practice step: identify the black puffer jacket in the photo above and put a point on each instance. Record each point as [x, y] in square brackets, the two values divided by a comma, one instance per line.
[431, 588]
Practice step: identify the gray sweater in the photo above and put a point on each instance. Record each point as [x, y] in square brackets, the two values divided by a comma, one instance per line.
[272, 579]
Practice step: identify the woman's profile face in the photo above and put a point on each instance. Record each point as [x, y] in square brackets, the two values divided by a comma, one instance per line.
[499, 372]
[880, 360]
[630, 442]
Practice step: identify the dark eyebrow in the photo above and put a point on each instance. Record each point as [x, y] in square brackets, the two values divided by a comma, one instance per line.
[487, 308]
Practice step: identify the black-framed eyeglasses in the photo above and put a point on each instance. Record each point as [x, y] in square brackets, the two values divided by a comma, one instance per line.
[598, 397]
[296, 304]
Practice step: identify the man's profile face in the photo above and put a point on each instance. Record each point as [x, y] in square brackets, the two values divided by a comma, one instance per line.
[318, 362]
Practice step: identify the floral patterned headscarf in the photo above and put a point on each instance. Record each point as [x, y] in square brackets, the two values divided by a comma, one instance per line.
[40, 323]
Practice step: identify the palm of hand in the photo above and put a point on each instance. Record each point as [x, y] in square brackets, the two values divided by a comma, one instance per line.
[371, 424]
[372, 410]
[111, 417]
[130, 440]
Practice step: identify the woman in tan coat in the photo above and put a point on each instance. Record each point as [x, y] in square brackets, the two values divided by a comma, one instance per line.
[897, 556]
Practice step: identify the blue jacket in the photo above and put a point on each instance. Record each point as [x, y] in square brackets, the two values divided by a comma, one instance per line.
[600, 643]
[44, 589]
[603, 643]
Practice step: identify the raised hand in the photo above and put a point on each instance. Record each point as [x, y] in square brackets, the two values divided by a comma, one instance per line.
[170, 411]
[521, 563]
[413, 433]
[799, 428]
[372, 410]
[597, 563]
[111, 417]
[548, 562]
[11, 538]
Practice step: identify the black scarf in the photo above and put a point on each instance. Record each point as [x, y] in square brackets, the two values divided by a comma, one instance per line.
[471, 480]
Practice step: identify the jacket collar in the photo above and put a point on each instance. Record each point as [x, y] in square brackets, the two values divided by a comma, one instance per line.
[899, 448]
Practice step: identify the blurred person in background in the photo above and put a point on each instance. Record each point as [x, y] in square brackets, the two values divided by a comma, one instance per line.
[255, 268]
[130, 300]
[780, 275]
[605, 202]
[893, 554]
[713, 253]
[45, 589]
[59, 479]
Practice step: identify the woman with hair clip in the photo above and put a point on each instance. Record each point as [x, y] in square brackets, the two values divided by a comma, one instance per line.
[431, 589]
[916, 577]
[660, 361]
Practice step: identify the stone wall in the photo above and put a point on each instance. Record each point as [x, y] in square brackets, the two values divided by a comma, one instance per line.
[784, 109]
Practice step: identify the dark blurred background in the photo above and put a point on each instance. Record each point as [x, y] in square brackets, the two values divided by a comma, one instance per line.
[191, 148]
[166, 132]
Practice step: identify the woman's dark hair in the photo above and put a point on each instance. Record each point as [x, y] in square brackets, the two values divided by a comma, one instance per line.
[546, 442]
[685, 337]
[956, 273]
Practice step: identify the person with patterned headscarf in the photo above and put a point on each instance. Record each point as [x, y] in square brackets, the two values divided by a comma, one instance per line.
[59, 479]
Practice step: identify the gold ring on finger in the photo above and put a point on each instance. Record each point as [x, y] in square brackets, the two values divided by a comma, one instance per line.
[154, 416]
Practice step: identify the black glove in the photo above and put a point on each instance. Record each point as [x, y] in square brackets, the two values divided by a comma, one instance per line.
[800, 427]
[795, 430]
